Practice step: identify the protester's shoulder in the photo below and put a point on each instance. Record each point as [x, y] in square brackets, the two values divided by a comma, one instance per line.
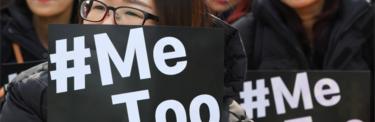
[228, 29]
[358, 15]
[27, 94]
[245, 21]
[352, 9]
[31, 81]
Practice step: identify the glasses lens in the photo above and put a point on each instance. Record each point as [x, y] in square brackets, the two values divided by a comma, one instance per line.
[93, 10]
[129, 16]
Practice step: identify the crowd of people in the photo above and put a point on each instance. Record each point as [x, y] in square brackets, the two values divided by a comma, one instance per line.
[259, 35]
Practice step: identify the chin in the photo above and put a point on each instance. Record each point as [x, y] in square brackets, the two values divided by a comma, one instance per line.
[44, 12]
[220, 8]
[296, 4]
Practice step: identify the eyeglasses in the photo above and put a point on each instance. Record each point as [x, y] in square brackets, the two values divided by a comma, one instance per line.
[95, 11]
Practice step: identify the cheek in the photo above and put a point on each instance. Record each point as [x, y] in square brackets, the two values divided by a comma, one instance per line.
[91, 23]
[63, 5]
[150, 22]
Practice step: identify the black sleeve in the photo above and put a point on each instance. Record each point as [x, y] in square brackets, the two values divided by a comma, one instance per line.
[235, 65]
[246, 26]
[369, 31]
[26, 98]
[235, 60]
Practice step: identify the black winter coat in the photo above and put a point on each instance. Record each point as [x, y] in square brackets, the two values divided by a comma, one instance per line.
[270, 44]
[26, 100]
[17, 27]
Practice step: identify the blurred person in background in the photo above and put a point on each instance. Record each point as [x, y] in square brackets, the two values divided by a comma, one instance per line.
[309, 34]
[229, 10]
[24, 28]
[188, 13]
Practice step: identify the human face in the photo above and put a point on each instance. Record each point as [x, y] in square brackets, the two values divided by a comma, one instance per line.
[49, 8]
[127, 12]
[220, 6]
[299, 4]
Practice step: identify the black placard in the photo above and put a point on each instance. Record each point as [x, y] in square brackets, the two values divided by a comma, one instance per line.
[202, 76]
[351, 90]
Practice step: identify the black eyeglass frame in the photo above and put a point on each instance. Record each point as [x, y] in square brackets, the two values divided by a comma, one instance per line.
[145, 14]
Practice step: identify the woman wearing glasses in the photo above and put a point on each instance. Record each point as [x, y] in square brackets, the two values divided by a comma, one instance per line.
[191, 13]
[127, 13]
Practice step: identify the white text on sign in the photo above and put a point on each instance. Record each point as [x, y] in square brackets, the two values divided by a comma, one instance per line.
[131, 100]
[281, 93]
[106, 52]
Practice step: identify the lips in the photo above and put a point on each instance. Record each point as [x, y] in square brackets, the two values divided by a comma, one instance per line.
[44, 1]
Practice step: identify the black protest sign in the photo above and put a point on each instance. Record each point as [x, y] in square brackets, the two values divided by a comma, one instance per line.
[312, 96]
[126, 73]
[10, 70]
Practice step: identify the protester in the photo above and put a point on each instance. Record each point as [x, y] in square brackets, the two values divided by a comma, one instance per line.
[24, 37]
[309, 34]
[128, 12]
[24, 28]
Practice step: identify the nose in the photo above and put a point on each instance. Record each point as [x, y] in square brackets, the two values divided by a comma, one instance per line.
[109, 19]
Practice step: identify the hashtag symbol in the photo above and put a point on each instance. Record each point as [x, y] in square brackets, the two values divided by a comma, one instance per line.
[61, 58]
[259, 103]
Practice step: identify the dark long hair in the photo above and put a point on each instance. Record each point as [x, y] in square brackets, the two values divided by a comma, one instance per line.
[193, 13]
